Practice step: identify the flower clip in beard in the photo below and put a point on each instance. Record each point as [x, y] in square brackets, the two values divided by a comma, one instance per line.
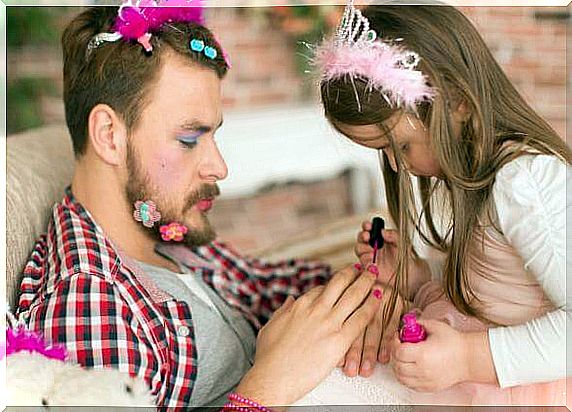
[147, 214]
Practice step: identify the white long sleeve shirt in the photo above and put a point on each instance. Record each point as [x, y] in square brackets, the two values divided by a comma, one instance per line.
[533, 204]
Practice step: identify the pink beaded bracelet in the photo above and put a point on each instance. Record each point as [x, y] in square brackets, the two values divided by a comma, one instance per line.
[232, 407]
[235, 397]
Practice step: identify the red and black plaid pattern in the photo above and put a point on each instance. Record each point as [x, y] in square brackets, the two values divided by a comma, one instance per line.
[79, 290]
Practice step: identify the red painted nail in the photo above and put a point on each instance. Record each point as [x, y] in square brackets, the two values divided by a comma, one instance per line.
[358, 267]
[373, 269]
[377, 293]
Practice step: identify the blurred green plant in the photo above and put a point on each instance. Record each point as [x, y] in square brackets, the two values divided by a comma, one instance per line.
[24, 97]
[35, 26]
[29, 28]
[305, 25]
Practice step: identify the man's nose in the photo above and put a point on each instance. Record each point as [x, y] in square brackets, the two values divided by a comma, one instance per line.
[213, 167]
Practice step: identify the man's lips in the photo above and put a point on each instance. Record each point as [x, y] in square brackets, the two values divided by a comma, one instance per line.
[204, 205]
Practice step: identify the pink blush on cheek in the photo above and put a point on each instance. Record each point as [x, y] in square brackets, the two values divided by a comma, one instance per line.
[164, 171]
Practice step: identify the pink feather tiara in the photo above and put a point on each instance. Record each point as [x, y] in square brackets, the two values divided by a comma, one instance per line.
[356, 52]
[137, 21]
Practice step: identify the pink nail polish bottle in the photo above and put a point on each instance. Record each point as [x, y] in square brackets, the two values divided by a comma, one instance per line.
[411, 332]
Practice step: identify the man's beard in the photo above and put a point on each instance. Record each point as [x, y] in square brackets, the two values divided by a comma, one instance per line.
[139, 188]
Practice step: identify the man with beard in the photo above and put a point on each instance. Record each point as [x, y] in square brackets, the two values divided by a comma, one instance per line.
[128, 274]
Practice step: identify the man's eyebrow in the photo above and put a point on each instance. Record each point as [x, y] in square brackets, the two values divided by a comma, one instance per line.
[199, 126]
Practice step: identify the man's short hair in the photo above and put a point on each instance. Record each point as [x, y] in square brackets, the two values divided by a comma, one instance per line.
[120, 73]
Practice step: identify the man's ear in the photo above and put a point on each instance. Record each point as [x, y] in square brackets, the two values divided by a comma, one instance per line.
[107, 134]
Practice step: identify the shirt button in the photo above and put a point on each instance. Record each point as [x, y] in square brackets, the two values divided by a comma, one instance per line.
[183, 331]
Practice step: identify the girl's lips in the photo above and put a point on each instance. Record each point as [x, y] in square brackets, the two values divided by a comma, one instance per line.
[205, 205]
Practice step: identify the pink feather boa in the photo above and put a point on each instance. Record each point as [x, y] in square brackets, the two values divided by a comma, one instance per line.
[21, 339]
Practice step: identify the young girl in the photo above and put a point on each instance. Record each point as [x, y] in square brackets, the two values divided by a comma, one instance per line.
[418, 84]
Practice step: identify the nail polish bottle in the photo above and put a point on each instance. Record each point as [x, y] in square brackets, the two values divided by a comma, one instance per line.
[411, 331]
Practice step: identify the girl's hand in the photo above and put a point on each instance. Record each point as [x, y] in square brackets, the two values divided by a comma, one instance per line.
[305, 338]
[437, 363]
[419, 272]
[369, 347]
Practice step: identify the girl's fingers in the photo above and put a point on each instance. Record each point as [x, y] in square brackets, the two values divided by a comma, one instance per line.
[406, 370]
[390, 236]
[366, 225]
[363, 237]
[405, 352]
[362, 249]
[411, 383]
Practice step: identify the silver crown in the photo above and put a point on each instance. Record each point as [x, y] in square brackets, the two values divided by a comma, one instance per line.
[354, 30]
[354, 27]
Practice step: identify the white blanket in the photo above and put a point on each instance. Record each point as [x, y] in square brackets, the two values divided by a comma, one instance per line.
[379, 389]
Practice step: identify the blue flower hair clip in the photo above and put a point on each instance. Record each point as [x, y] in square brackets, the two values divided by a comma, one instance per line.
[198, 46]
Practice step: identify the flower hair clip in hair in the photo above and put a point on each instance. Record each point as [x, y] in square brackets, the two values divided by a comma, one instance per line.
[356, 51]
[137, 21]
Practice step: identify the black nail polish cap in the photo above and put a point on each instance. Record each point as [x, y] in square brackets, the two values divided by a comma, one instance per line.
[377, 225]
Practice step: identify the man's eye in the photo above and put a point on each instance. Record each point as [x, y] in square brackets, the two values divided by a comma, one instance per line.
[188, 141]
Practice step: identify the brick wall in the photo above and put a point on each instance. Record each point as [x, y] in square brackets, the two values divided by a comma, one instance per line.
[530, 45]
[279, 213]
[531, 50]
[263, 70]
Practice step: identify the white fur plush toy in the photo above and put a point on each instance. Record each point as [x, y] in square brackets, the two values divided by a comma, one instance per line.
[37, 374]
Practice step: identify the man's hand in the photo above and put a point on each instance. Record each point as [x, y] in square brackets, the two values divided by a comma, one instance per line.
[369, 347]
[302, 342]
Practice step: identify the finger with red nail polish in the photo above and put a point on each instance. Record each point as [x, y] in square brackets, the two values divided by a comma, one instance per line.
[373, 269]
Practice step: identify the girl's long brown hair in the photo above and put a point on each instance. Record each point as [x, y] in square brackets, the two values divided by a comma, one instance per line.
[501, 127]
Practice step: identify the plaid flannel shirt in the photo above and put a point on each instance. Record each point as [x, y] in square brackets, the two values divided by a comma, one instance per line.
[80, 290]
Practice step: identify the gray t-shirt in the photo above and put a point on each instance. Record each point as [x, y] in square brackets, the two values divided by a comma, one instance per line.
[225, 341]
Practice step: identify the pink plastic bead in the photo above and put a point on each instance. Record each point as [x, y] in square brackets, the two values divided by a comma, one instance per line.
[235, 397]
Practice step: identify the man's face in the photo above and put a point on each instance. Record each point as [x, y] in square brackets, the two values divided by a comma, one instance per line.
[172, 157]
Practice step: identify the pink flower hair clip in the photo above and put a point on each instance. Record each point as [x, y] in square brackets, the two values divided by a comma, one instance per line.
[355, 51]
[137, 21]
[173, 232]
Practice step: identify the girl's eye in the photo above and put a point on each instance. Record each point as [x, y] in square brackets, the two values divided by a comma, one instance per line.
[404, 147]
